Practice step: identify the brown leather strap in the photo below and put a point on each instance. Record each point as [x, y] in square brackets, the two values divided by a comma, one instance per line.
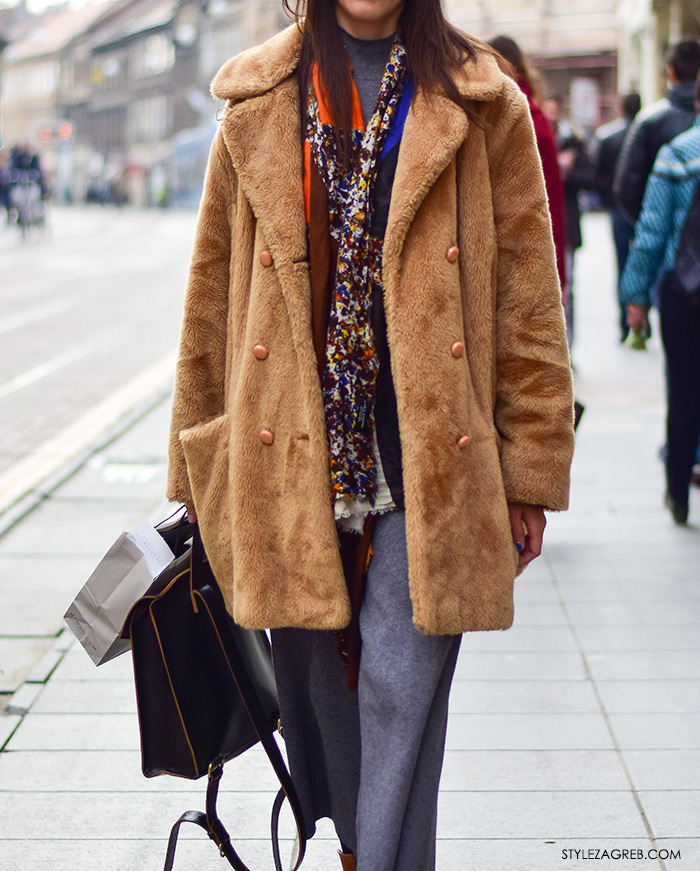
[356, 554]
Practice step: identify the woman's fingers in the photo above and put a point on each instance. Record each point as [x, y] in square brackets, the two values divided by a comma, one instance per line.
[527, 523]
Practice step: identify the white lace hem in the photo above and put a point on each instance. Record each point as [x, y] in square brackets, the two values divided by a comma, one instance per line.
[350, 514]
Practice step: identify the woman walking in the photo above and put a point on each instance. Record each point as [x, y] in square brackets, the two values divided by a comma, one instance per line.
[373, 401]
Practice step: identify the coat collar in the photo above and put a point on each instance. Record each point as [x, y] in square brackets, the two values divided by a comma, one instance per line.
[262, 131]
[258, 70]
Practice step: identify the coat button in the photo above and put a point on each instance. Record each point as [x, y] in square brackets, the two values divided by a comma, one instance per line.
[457, 349]
[266, 436]
[463, 441]
[260, 352]
[266, 258]
[452, 254]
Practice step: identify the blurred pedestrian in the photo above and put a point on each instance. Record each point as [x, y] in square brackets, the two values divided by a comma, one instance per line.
[5, 181]
[577, 174]
[609, 139]
[671, 190]
[546, 146]
[25, 159]
[374, 257]
[656, 125]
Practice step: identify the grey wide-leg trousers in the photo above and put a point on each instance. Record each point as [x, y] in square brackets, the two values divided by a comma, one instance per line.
[371, 761]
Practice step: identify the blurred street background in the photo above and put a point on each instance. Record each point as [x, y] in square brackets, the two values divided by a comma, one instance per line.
[89, 318]
[577, 729]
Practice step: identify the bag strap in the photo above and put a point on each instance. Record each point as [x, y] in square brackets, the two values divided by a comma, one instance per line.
[210, 820]
[287, 790]
[211, 824]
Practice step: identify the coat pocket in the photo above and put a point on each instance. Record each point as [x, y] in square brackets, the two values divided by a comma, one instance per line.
[206, 449]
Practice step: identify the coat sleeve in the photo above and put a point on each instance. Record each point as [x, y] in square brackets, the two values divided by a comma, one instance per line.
[201, 368]
[533, 410]
[555, 190]
[651, 235]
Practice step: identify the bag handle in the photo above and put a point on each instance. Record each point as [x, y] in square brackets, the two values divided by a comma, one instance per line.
[212, 825]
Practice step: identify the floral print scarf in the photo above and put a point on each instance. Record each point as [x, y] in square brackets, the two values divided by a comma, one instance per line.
[351, 364]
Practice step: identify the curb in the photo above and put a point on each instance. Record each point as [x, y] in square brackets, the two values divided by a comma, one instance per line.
[34, 497]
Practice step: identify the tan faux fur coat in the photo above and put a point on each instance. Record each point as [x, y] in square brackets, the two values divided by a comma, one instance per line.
[468, 259]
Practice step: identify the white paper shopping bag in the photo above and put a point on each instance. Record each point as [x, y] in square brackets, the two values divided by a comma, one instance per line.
[123, 575]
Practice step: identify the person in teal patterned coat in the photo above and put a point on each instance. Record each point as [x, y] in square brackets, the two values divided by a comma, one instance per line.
[667, 200]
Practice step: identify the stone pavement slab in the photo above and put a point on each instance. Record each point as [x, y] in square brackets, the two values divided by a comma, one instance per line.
[645, 696]
[15, 653]
[528, 732]
[664, 769]
[106, 771]
[522, 638]
[645, 665]
[83, 697]
[82, 531]
[77, 732]
[522, 697]
[532, 770]
[541, 814]
[657, 731]
[639, 638]
[547, 665]
[672, 813]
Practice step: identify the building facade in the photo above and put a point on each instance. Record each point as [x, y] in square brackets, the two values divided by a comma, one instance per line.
[116, 94]
[647, 28]
[573, 43]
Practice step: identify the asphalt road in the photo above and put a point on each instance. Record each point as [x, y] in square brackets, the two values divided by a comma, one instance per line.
[84, 310]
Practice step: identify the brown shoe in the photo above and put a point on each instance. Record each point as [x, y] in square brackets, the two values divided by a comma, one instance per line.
[348, 861]
[695, 475]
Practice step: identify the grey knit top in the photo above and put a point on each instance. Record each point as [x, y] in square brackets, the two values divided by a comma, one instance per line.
[368, 58]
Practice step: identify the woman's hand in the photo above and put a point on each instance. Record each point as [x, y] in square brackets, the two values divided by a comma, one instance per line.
[527, 523]
[191, 513]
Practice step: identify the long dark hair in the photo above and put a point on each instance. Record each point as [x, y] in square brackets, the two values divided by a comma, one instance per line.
[434, 49]
[520, 68]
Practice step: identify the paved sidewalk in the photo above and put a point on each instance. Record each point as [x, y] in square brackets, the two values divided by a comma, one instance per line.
[578, 729]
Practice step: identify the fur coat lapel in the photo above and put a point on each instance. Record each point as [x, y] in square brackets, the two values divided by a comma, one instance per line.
[263, 118]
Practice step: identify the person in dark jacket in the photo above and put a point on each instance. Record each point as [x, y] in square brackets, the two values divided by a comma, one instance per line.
[669, 194]
[610, 138]
[656, 125]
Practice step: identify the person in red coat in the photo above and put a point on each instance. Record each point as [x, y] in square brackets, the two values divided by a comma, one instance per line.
[546, 145]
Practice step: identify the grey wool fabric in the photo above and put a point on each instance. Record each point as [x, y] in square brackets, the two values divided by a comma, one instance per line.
[368, 58]
[371, 761]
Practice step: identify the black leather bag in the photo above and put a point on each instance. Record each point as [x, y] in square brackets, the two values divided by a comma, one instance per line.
[205, 689]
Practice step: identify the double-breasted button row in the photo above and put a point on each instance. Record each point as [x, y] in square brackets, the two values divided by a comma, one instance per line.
[457, 349]
[261, 352]
[267, 437]
[463, 441]
[452, 254]
[266, 258]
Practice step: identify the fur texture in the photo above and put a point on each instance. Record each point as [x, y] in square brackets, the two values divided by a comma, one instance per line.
[265, 510]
